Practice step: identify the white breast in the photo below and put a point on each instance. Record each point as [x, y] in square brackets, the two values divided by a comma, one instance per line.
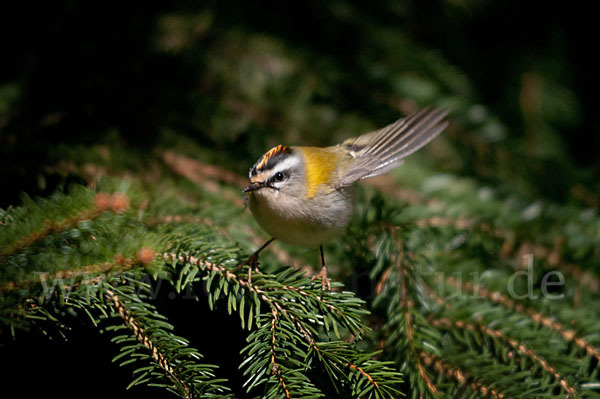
[299, 221]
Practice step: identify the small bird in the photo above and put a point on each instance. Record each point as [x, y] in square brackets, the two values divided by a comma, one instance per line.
[304, 195]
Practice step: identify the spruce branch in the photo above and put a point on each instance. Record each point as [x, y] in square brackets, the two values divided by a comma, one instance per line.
[394, 282]
[275, 249]
[297, 310]
[446, 214]
[146, 341]
[510, 248]
[401, 285]
[348, 316]
[86, 273]
[406, 307]
[303, 344]
[273, 350]
[152, 340]
[536, 316]
[102, 202]
[583, 279]
[517, 346]
[432, 360]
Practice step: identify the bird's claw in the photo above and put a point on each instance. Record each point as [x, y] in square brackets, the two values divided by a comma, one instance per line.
[324, 280]
[252, 263]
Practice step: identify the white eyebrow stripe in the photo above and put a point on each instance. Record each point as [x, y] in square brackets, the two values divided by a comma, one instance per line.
[285, 164]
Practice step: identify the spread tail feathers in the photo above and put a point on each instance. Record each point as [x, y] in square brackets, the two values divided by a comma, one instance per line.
[380, 151]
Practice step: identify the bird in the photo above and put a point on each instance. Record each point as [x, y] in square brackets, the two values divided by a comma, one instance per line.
[304, 195]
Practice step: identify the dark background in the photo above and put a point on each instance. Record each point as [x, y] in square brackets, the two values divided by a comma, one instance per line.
[80, 73]
[149, 75]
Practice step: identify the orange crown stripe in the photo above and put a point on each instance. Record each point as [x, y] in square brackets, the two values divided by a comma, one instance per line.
[270, 154]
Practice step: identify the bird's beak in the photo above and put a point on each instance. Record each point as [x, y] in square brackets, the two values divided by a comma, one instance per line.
[254, 186]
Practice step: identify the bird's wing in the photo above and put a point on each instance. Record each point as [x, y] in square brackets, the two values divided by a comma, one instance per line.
[380, 151]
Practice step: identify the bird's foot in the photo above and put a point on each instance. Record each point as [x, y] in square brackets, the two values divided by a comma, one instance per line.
[324, 280]
[252, 263]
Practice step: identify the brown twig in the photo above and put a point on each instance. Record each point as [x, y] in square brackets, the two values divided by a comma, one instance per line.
[406, 306]
[244, 283]
[274, 365]
[364, 373]
[248, 284]
[102, 202]
[456, 373]
[167, 219]
[195, 169]
[351, 366]
[282, 255]
[120, 264]
[205, 175]
[513, 343]
[276, 308]
[537, 317]
[145, 340]
[550, 255]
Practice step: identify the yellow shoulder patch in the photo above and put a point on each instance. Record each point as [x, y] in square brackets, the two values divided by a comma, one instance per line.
[319, 165]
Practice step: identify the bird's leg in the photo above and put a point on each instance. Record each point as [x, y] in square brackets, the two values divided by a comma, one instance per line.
[323, 273]
[252, 261]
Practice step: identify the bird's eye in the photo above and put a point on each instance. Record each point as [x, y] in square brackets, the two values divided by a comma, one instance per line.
[279, 176]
